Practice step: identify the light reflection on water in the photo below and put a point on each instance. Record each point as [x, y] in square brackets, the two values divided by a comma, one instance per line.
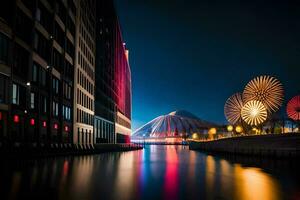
[157, 172]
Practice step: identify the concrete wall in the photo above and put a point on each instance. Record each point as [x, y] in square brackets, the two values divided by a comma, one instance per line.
[281, 145]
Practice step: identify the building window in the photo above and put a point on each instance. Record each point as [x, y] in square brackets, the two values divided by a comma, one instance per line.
[44, 104]
[23, 26]
[55, 108]
[3, 84]
[57, 60]
[67, 91]
[55, 85]
[66, 112]
[15, 94]
[43, 77]
[4, 42]
[32, 100]
[21, 62]
[43, 16]
[38, 15]
[41, 46]
[34, 73]
[59, 35]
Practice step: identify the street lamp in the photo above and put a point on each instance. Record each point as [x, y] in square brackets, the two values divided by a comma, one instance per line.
[230, 129]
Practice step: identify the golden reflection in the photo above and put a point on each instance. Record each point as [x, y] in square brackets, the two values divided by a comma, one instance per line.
[210, 172]
[225, 179]
[126, 183]
[253, 183]
[192, 164]
[82, 172]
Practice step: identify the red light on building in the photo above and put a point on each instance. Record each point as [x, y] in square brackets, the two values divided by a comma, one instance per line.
[66, 128]
[0, 115]
[55, 126]
[32, 122]
[16, 118]
[44, 124]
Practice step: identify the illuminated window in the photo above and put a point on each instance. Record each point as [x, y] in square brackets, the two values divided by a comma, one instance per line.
[15, 94]
[55, 85]
[32, 100]
[55, 108]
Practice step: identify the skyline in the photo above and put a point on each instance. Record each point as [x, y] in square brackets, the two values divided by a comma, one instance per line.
[246, 39]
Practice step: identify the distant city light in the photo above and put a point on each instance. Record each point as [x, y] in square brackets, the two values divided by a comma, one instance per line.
[55, 126]
[44, 124]
[28, 83]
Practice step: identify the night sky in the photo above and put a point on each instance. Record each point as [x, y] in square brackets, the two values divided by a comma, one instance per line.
[193, 55]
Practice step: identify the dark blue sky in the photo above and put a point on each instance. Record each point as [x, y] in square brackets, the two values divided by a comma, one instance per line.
[193, 55]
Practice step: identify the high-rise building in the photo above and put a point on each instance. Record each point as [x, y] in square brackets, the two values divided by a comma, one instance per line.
[37, 47]
[85, 74]
[113, 79]
[48, 73]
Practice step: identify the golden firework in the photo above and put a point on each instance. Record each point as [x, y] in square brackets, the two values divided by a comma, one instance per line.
[254, 113]
[233, 107]
[265, 89]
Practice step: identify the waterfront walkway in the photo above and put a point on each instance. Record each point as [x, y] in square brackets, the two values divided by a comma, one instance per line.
[63, 150]
[275, 145]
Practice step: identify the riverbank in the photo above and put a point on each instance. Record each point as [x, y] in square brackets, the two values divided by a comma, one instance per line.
[273, 145]
[63, 150]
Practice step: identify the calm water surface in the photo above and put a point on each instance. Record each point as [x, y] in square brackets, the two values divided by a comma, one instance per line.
[157, 172]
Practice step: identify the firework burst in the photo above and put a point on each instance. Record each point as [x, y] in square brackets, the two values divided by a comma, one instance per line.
[265, 89]
[254, 113]
[293, 108]
[233, 107]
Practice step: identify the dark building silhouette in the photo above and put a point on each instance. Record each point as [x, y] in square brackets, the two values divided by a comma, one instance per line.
[113, 79]
[37, 50]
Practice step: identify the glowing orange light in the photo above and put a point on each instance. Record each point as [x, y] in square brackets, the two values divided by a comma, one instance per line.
[239, 129]
[16, 118]
[195, 136]
[212, 131]
[229, 128]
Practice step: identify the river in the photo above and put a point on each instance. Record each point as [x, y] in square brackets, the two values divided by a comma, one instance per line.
[157, 172]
